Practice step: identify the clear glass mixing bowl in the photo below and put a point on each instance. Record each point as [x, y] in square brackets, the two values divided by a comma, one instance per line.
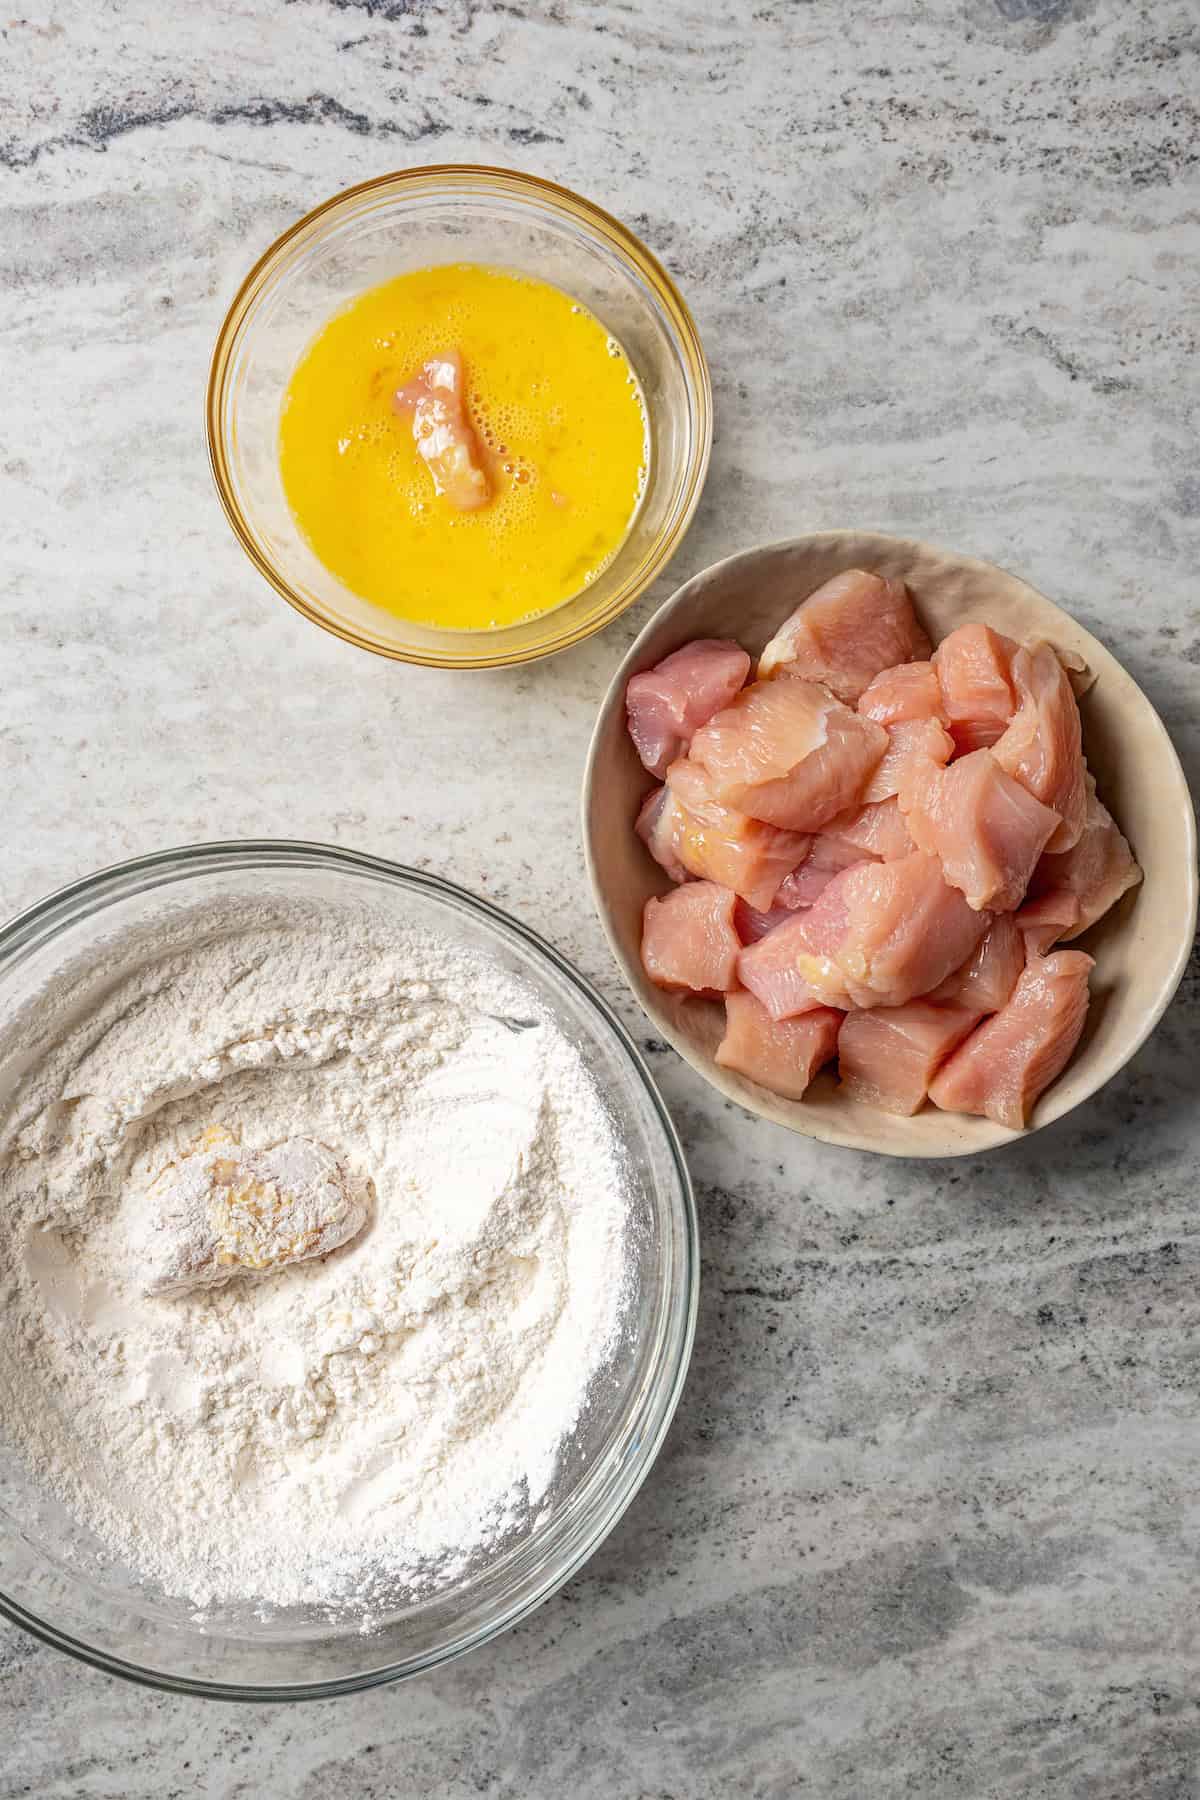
[59, 1583]
[417, 218]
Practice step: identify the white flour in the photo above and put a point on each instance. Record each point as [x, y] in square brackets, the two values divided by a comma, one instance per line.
[346, 1431]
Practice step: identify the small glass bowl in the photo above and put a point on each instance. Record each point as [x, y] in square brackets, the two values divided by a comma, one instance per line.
[60, 1583]
[417, 218]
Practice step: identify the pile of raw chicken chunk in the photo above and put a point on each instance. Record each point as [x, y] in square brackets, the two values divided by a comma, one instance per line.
[877, 846]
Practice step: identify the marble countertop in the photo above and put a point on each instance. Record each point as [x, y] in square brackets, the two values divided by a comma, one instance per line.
[927, 1523]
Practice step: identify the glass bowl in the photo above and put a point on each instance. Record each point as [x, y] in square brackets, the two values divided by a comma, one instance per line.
[56, 1580]
[412, 219]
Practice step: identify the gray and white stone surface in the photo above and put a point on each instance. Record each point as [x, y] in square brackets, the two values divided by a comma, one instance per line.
[927, 1523]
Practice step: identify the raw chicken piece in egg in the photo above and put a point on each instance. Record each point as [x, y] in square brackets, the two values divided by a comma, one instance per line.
[443, 433]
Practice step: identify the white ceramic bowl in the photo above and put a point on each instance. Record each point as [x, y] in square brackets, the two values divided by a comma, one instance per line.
[1141, 947]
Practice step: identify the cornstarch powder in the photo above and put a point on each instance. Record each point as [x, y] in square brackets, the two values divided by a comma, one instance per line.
[344, 1432]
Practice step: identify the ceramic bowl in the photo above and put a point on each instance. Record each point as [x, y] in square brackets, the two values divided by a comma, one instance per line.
[1141, 947]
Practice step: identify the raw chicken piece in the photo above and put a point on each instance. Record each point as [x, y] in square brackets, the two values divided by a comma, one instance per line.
[845, 633]
[658, 824]
[773, 971]
[1080, 676]
[912, 744]
[986, 980]
[1043, 745]
[1013, 1057]
[443, 434]
[888, 1057]
[805, 885]
[780, 1054]
[221, 1212]
[1095, 873]
[987, 830]
[751, 924]
[714, 843]
[973, 665]
[880, 934]
[787, 753]
[909, 691]
[688, 939]
[666, 705]
[906, 929]
[1044, 921]
[720, 844]
[875, 830]
[827, 858]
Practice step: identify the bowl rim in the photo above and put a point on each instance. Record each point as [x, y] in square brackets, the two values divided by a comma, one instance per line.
[739, 1092]
[511, 183]
[39, 922]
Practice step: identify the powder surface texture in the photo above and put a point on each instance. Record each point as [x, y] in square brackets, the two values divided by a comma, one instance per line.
[358, 1428]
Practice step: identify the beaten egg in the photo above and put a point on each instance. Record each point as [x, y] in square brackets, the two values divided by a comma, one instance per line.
[556, 424]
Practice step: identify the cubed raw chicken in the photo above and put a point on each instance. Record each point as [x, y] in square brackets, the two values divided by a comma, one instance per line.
[1044, 921]
[845, 633]
[875, 830]
[986, 980]
[797, 890]
[973, 665]
[1014, 1056]
[718, 843]
[688, 939]
[827, 857]
[788, 753]
[913, 745]
[909, 691]
[780, 1054]
[1096, 872]
[773, 970]
[751, 924]
[1080, 676]
[658, 826]
[668, 704]
[714, 843]
[887, 1057]
[880, 934]
[1042, 747]
[985, 827]
[443, 433]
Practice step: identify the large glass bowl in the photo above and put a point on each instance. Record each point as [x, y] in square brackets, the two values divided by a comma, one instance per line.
[58, 1582]
[415, 219]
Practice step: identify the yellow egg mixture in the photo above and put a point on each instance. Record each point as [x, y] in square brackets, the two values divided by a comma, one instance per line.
[561, 429]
